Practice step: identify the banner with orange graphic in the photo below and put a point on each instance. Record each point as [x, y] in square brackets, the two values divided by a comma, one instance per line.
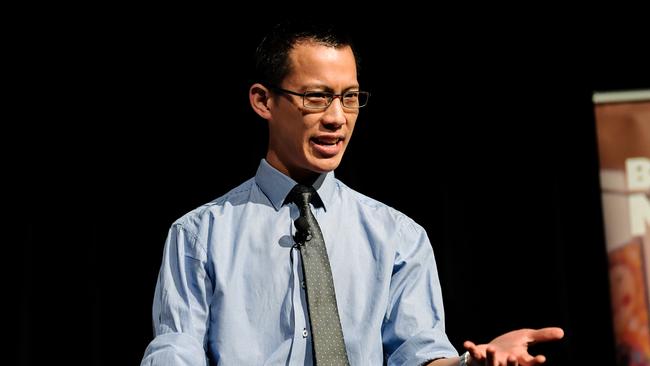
[623, 128]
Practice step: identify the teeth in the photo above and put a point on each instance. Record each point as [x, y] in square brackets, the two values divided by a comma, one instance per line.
[327, 142]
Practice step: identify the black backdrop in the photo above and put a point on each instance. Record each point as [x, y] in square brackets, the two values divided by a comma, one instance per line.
[482, 131]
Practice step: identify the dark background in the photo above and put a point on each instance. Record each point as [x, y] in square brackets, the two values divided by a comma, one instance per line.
[480, 129]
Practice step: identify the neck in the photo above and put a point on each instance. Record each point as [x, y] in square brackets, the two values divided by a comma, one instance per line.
[302, 176]
[307, 180]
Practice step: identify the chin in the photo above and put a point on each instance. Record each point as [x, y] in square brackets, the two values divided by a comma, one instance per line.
[325, 165]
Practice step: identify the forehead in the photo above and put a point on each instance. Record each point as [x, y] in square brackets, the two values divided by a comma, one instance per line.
[318, 63]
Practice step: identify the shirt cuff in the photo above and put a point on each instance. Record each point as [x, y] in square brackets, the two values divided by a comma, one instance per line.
[174, 349]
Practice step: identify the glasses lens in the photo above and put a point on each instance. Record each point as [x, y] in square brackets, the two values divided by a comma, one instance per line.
[350, 99]
[317, 99]
[355, 99]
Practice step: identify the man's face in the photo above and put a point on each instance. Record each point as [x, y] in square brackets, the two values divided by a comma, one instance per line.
[304, 142]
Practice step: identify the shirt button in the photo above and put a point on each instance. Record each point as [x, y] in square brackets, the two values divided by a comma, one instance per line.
[304, 332]
[302, 284]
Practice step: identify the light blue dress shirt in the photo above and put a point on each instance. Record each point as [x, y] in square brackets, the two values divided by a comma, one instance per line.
[229, 290]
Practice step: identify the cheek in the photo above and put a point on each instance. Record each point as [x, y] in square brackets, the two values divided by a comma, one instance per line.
[303, 128]
[300, 141]
[352, 121]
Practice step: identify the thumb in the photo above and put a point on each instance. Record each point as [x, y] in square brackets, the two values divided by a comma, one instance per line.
[546, 334]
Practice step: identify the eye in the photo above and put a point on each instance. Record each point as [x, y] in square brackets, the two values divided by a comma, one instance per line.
[351, 96]
[317, 95]
[317, 99]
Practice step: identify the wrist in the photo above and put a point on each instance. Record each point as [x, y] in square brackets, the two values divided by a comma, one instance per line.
[465, 359]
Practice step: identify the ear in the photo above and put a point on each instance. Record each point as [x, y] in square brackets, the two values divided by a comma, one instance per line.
[259, 97]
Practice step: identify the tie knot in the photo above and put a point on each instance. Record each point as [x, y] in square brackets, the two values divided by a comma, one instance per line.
[303, 195]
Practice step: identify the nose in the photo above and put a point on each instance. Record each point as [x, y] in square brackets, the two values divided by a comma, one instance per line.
[334, 116]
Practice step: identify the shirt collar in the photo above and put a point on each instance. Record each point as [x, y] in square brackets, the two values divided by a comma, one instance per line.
[276, 186]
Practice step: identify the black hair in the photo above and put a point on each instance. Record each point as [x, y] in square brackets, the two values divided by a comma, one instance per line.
[272, 55]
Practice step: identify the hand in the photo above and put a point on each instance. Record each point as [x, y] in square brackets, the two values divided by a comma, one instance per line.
[511, 349]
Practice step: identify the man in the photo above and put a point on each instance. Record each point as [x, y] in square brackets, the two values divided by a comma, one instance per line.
[239, 285]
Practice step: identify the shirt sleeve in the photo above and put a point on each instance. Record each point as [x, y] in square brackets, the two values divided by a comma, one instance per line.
[181, 303]
[414, 331]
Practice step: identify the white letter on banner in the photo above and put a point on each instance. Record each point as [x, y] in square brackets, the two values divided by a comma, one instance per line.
[639, 213]
[638, 174]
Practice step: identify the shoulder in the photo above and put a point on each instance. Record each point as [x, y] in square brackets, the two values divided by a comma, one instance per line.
[196, 221]
[372, 207]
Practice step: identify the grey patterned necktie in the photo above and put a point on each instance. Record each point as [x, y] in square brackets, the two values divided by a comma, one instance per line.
[327, 335]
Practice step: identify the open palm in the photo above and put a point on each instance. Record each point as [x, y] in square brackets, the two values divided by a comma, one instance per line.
[511, 349]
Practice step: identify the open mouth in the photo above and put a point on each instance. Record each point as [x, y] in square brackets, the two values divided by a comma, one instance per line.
[327, 147]
[326, 141]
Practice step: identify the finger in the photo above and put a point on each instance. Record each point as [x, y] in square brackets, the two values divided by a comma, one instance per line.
[473, 351]
[469, 345]
[530, 360]
[491, 357]
[512, 361]
[546, 334]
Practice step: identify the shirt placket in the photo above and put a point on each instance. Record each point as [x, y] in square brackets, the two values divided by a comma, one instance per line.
[301, 349]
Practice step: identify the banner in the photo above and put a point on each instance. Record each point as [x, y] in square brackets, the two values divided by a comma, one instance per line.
[623, 129]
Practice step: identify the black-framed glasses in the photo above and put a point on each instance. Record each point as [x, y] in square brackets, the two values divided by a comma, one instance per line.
[352, 99]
